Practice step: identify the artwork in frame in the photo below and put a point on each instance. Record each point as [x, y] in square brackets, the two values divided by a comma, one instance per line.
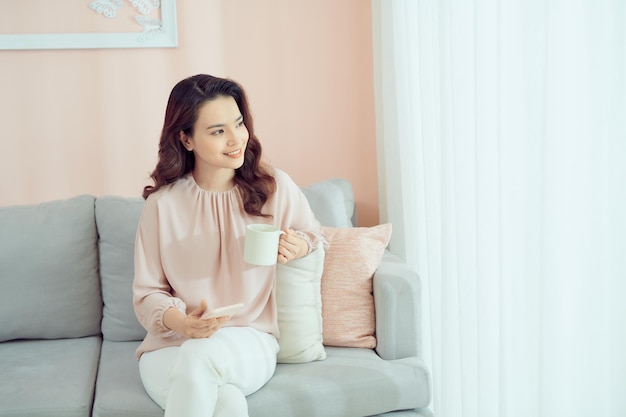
[126, 23]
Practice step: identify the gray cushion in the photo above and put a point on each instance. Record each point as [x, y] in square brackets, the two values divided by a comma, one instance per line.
[49, 270]
[51, 378]
[350, 382]
[117, 219]
[332, 202]
[119, 391]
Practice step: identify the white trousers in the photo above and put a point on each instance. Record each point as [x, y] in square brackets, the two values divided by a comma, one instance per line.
[210, 377]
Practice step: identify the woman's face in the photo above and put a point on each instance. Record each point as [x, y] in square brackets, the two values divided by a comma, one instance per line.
[219, 136]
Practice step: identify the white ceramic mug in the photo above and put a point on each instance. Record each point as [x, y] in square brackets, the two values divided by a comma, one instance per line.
[261, 246]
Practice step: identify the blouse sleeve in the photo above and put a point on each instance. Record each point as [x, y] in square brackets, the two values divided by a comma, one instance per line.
[296, 213]
[152, 294]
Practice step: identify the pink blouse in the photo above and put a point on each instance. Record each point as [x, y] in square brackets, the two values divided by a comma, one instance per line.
[189, 247]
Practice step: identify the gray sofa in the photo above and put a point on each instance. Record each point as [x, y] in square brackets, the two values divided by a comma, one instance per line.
[68, 332]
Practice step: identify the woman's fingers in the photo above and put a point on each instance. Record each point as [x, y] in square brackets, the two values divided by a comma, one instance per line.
[197, 327]
[203, 328]
[291, 246]
[288, 246]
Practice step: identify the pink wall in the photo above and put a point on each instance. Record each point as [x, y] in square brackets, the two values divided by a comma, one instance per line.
[88, 121]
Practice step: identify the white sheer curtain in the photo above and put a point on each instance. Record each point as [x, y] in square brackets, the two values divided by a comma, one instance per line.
[502, 160]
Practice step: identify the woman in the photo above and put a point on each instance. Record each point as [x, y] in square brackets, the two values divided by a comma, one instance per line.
[209, 184]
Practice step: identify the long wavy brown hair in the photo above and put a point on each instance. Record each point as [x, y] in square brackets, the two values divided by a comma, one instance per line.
[253, 178]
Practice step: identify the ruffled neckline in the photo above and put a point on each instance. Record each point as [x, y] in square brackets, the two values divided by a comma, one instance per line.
[193, 184]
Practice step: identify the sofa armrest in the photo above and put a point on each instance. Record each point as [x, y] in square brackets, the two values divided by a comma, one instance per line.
[397, 292]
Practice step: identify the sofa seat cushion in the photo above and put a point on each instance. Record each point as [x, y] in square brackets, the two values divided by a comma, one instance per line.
[119, 390]
[350, 382]
[51, 378]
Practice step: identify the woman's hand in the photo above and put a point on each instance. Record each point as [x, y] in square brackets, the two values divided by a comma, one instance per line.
[291, 246]
[192, 325]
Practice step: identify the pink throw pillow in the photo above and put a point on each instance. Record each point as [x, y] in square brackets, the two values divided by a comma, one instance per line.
[353, 255]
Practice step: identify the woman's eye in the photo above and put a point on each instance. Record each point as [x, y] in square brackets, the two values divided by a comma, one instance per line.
[218, 132]
[240, 124]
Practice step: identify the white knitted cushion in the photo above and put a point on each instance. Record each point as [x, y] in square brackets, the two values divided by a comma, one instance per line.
[299, 300]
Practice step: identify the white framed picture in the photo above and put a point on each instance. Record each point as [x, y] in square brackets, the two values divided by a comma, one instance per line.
[109, 24]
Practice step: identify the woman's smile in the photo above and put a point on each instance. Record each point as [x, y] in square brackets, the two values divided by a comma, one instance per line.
[234, 154]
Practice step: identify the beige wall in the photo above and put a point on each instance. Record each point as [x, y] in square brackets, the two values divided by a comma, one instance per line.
[88, 121]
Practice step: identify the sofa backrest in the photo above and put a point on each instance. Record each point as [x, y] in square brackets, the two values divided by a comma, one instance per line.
[49, 286]
[332, 201]
[117, 218]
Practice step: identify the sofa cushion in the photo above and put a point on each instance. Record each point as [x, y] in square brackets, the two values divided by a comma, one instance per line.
[49, 270]
[117, 219]
[119, 390]
[350, 382]
[51, 378]
[352, 257]
[299, 303]
[332, 202]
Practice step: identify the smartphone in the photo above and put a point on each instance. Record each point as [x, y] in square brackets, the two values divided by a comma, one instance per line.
[230, 310]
